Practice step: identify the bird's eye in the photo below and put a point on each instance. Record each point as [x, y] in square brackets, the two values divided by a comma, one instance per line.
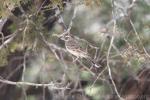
[65, 38]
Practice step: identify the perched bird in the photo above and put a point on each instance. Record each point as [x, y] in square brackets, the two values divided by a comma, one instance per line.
[73, 46]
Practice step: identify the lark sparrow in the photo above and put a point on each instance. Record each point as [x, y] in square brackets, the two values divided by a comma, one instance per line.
[73, 47]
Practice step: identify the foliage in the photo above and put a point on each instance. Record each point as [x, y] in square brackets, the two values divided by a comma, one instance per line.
[37, 29]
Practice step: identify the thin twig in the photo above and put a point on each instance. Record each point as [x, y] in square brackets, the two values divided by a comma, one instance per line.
[40, 7]
[109, 70]
[98, 76]
[108, 53]
[23, 75]
[51, 45]
[24, 32]
[138, 37]
[8, 40]
[85, 67]
[61, 21]
[51, 84]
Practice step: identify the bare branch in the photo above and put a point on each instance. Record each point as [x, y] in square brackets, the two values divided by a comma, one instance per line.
[108, 53]
[10, 39]
[61, 21]
[138, 37]
[51, 84]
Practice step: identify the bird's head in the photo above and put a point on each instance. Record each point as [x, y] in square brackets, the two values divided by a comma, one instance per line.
[65, 37]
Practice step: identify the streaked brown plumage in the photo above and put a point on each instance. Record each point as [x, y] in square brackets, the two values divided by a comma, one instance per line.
[73, 47]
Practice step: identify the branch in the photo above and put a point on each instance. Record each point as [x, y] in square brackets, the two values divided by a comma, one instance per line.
[61, 21]
[51, 84]
[109, 70]
[51, 45]
[108, 53]
[138, 37]
[10, 39]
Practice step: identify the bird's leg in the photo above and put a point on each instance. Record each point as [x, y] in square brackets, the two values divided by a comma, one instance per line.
[74, 60]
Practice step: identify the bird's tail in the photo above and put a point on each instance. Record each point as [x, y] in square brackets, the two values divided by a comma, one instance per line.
[94, 63]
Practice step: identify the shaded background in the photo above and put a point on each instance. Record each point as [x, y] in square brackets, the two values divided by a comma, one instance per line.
[34, 64]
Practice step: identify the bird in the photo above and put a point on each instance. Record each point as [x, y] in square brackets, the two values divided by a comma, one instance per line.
[73, 47]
